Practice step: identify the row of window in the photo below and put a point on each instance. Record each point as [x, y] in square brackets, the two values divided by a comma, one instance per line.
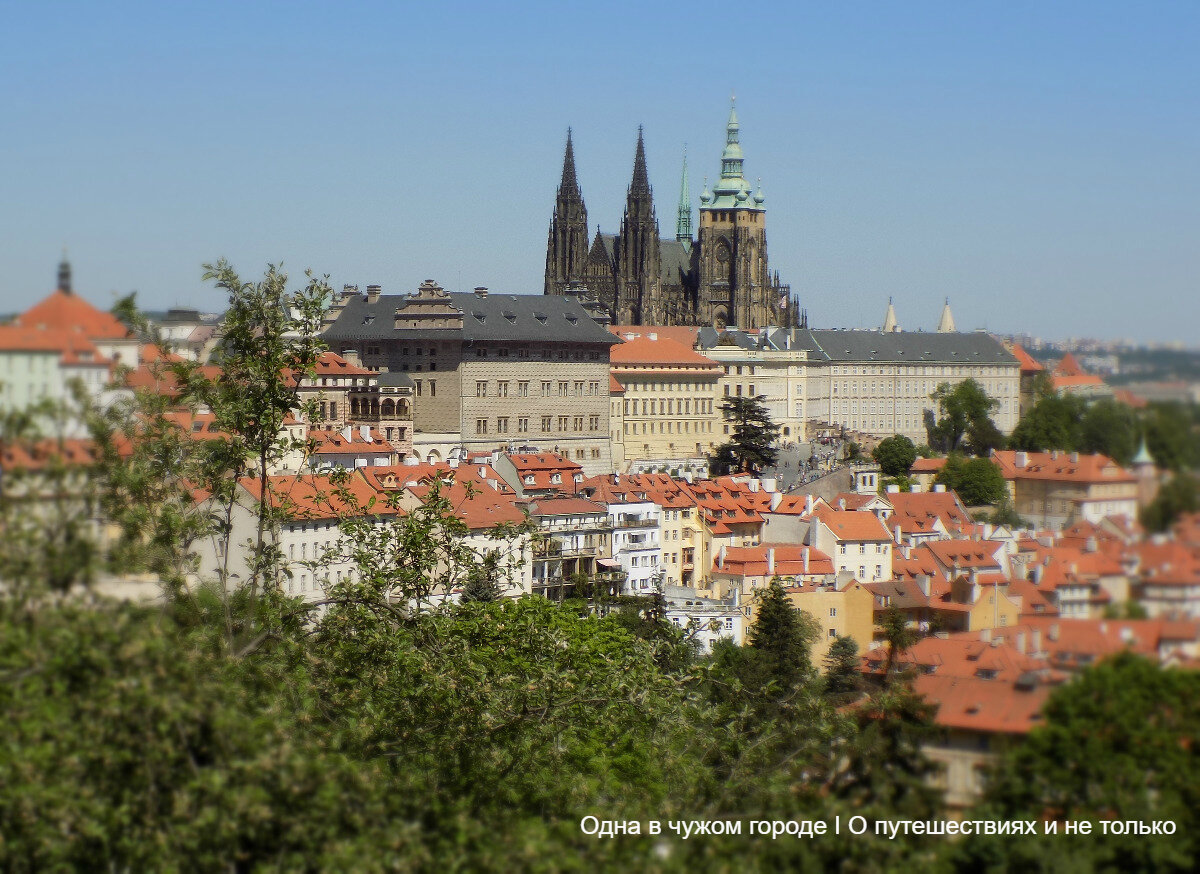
[565, 388]
[565, 423]
[862, 548]
[669, 428]
[668, 407]
[545, 353]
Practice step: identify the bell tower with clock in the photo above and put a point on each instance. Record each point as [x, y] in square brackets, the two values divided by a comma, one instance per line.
[735, 286]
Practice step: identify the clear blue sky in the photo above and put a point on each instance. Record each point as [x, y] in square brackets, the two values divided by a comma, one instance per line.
[1038, 163]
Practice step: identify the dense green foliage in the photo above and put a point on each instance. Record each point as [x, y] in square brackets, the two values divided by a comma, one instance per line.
[895, 455]
[1121, 742]
[976, 480]
[751, 444]
[1178, 495]
[1069, 423]
[964, 419]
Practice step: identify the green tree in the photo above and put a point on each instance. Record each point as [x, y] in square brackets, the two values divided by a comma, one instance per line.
[843, 673]
[751, 446]
[1119, 742]
[1179, 495]
[784, 636]
[964, 418]
[977, 481]
[483, 579]
[1052, 423]
[1110, 428]
[269, 342]
[1171, 436]
[895, 455]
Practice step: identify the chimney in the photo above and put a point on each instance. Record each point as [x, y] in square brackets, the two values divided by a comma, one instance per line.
[923, 584]
[373, 292]
[808, 504]
[776, 500]
[351, 356]
[806, 561]
[899, 535]
[841, 503]
[347, 433]
[1021, 642]
[364, 431]
[721, 559]
[754, 484]
[481, 290]
[915, 488]
[1074, 458]
[986, 635]
[770, 561]
[940, 488]
[1021, 458]
[893, 489]
[653, 335]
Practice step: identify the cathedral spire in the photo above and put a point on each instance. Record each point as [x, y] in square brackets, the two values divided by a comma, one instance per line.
[946, 322]
[567, 245]
[889, 319]
[683, 220]
[569, 182]
[64, 273]
[641, 180]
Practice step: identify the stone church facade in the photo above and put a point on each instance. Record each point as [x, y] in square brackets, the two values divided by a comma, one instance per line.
[636, 277]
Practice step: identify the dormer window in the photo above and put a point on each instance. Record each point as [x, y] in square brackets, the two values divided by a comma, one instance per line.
[556, 478]
[529, 480]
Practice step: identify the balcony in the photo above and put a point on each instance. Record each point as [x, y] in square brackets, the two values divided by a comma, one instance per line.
[636, 523]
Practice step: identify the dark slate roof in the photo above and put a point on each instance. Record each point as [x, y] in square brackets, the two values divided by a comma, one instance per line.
[676, 261]
[517, 317]
[395, 377]
[898, 346]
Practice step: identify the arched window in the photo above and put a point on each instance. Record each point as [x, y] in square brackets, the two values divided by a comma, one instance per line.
[388, 409]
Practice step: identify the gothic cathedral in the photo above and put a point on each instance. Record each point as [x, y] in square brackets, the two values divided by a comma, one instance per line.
[637, 278]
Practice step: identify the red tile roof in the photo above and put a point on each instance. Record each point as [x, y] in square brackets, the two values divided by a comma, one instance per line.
[1027, 361]
[317, 497]
[928, 465]
[752, 561]
[480, 508]
[984, 706]
[853, 525]
[332, 364]
[641, 352]
[38, 455]
[64, 310]
[1062, 467]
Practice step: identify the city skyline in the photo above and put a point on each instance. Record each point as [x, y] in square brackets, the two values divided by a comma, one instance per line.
[1034, 166]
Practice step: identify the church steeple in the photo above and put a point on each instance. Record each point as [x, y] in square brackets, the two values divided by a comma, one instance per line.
[640, 186]
[889, 320]
[638, 263]
[946, 322]
[64, 273]
[567, 246]
[683, 219]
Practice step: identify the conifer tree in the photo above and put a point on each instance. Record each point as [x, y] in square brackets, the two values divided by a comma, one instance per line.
[783, 636]
[843, 677]
[751, 446]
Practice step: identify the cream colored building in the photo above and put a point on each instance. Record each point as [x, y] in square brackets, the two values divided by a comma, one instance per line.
[872, 382]
[670, 410]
